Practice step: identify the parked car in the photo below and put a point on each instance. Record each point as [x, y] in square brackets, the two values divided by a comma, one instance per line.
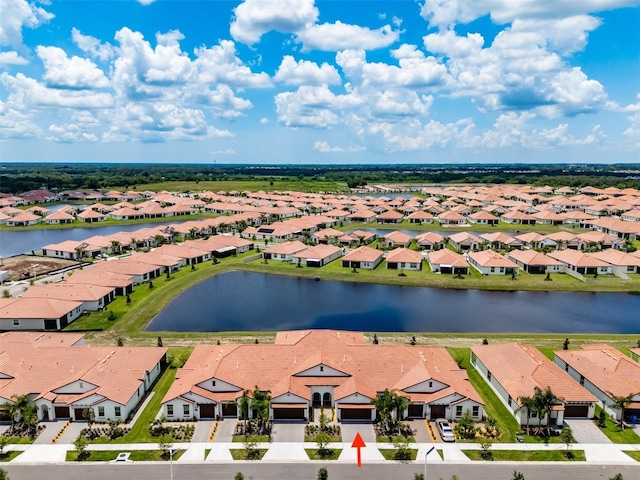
[445, 430]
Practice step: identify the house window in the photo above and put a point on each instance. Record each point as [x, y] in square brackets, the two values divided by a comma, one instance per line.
[509, 401]
[16, 322]
[581, 380]
[169, 410]
[185, 409]
[493, 269]
[430, 384]
[117, 411]
[534, 414]
[101, 411]
[458, 410]
[476, 411]
[566, 367]
[489, 376]
[213, 383]
[322, 368]
[81, 385]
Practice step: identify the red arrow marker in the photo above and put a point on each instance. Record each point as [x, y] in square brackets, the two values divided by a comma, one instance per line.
[358, 443]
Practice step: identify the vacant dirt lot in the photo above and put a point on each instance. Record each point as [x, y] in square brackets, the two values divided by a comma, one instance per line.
[22, 267]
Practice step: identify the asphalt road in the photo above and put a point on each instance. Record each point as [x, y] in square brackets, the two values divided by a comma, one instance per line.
[295, 471]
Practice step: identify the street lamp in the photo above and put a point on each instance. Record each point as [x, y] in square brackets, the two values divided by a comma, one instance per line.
[171, 462]
[425, 462]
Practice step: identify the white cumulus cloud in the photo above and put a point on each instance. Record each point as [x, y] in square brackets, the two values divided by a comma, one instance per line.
[75, 72]
[304, 72]
[323, 146]
[12, 58]
[341, 36]
[16, 14]
[92, 46]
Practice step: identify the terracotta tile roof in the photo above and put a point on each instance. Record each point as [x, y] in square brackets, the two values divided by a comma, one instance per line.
[576, 258]
[447, 257]
[429, 237]
[604, 366]
[363, 254]
[531, 257]
[66, 291]
[404, 255]
[519, 368]
[286, 248]
[99, 277]
[490, 258]
[616, 257]
[281, 367]
[318, 252]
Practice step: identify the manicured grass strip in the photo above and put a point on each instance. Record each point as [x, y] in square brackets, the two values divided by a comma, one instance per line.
[539, 439]
[395, 438]
[206, 452]
[8, 456]
[20, 440]
[529, 455]
[615, 433]
[333, 454]
[255, 438]
[135, 456]
[635, 454]
[241, 454]
[389, 453]
[308, 438]
[493, 406]
[140, 431]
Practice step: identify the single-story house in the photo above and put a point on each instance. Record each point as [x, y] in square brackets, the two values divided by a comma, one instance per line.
[38, 313]
[23, 219]
[395, 239]
[500, 240]
[390, 216]
[420, 217]
[605, 372]
[581, 263]
[489, 262]
[110, 381]
[327, 236]
[362, 257]
[532, 261]
[517, 217]
[93, 297]
[446, 261]
[404, 259]
[89, 215]
[284, 251]
[483, 218]
[317, 256]
[140, 271]
[306, 370]
[430, 241]
[621, 262]
[635, 354]
[451, 218]
[357, 237]
[514, 370]
[58, 218]
[123, 284]
[464, 241]
[362, 216]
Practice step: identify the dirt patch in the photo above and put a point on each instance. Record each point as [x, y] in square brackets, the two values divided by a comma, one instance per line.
[23, 267]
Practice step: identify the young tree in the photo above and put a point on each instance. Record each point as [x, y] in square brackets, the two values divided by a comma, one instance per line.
[250, 446]
[323, 439]
[566, 435]
[166, 446]
[565, 344]
[90, 416]
[238, 476]
[617, 476]
[465, 427]
[3, 474]
[323, 474]
[517, 475]
[81, 445]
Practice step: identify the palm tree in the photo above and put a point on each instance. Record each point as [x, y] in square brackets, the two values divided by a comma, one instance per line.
[621, 402]
[116, 246]
[261, 403]
[544, 400]
[244, 408]
[386, 404]
[528, 404]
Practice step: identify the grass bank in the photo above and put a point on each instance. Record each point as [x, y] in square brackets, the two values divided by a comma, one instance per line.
[529, 455]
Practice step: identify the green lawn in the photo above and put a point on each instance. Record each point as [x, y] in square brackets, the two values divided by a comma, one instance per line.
[395, 438]
[635, 454]
[255, 438]
[493, 406]
[389, 453]
[528, 455]
[615, 433]
[334, 454]
[241, 453]
[135, 456]
[312, 438]
[140, 431]
[267, 183]
[8, 456]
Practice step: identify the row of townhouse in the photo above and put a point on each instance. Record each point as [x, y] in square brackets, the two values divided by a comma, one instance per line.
[55, 305]
[580, 379]
[63, 377]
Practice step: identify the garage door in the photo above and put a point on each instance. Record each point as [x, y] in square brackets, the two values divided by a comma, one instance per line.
[207, 410]
[288, 413]
[229, 409]
[61, 412]
[438, 411]
[78, 413]
[576, 411]
[355, 414]
[415, 410]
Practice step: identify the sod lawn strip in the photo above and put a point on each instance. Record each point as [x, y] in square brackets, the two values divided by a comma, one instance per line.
[241, 454]
[389, 453]
[528, 455]
[253, 438]
[635, 454]
[615, 432]
[394, 439]
[8, 456]
[135, 455]
[334, 454]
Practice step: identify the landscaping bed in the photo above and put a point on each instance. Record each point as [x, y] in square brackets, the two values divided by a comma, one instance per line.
[394, 454]
[527, 455]
[328, 454]
[241, 454]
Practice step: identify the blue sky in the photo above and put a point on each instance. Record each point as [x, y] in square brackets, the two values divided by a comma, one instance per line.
[304, 81]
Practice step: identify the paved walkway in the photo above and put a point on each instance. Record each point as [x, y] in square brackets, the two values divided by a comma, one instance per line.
[585, 431]
[286, 452]
[287, 432]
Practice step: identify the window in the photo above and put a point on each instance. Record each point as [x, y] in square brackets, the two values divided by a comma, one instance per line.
[458, 410]
[501, 269]
[566, 367]
[534, 414]
[493, 269]
[581, 380]
[117, 411]
[509, 401]
[169, 410]
[16, 322]
[430, 384]
[489, 376]
[322, 368]
[101, 411]
[476, 411]
[213, 383]
[81, 384]
[185, 409]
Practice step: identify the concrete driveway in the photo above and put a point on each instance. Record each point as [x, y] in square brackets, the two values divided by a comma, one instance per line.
[283, 431]
[349, 431]
[585, 431]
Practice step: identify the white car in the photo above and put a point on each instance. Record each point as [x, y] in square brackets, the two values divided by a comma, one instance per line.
[445, 430]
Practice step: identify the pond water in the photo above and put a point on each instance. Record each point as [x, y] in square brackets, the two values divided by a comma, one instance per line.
[15, 242]
[244, 301]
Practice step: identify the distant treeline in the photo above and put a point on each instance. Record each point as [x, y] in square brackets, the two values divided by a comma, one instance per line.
[16, 178]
